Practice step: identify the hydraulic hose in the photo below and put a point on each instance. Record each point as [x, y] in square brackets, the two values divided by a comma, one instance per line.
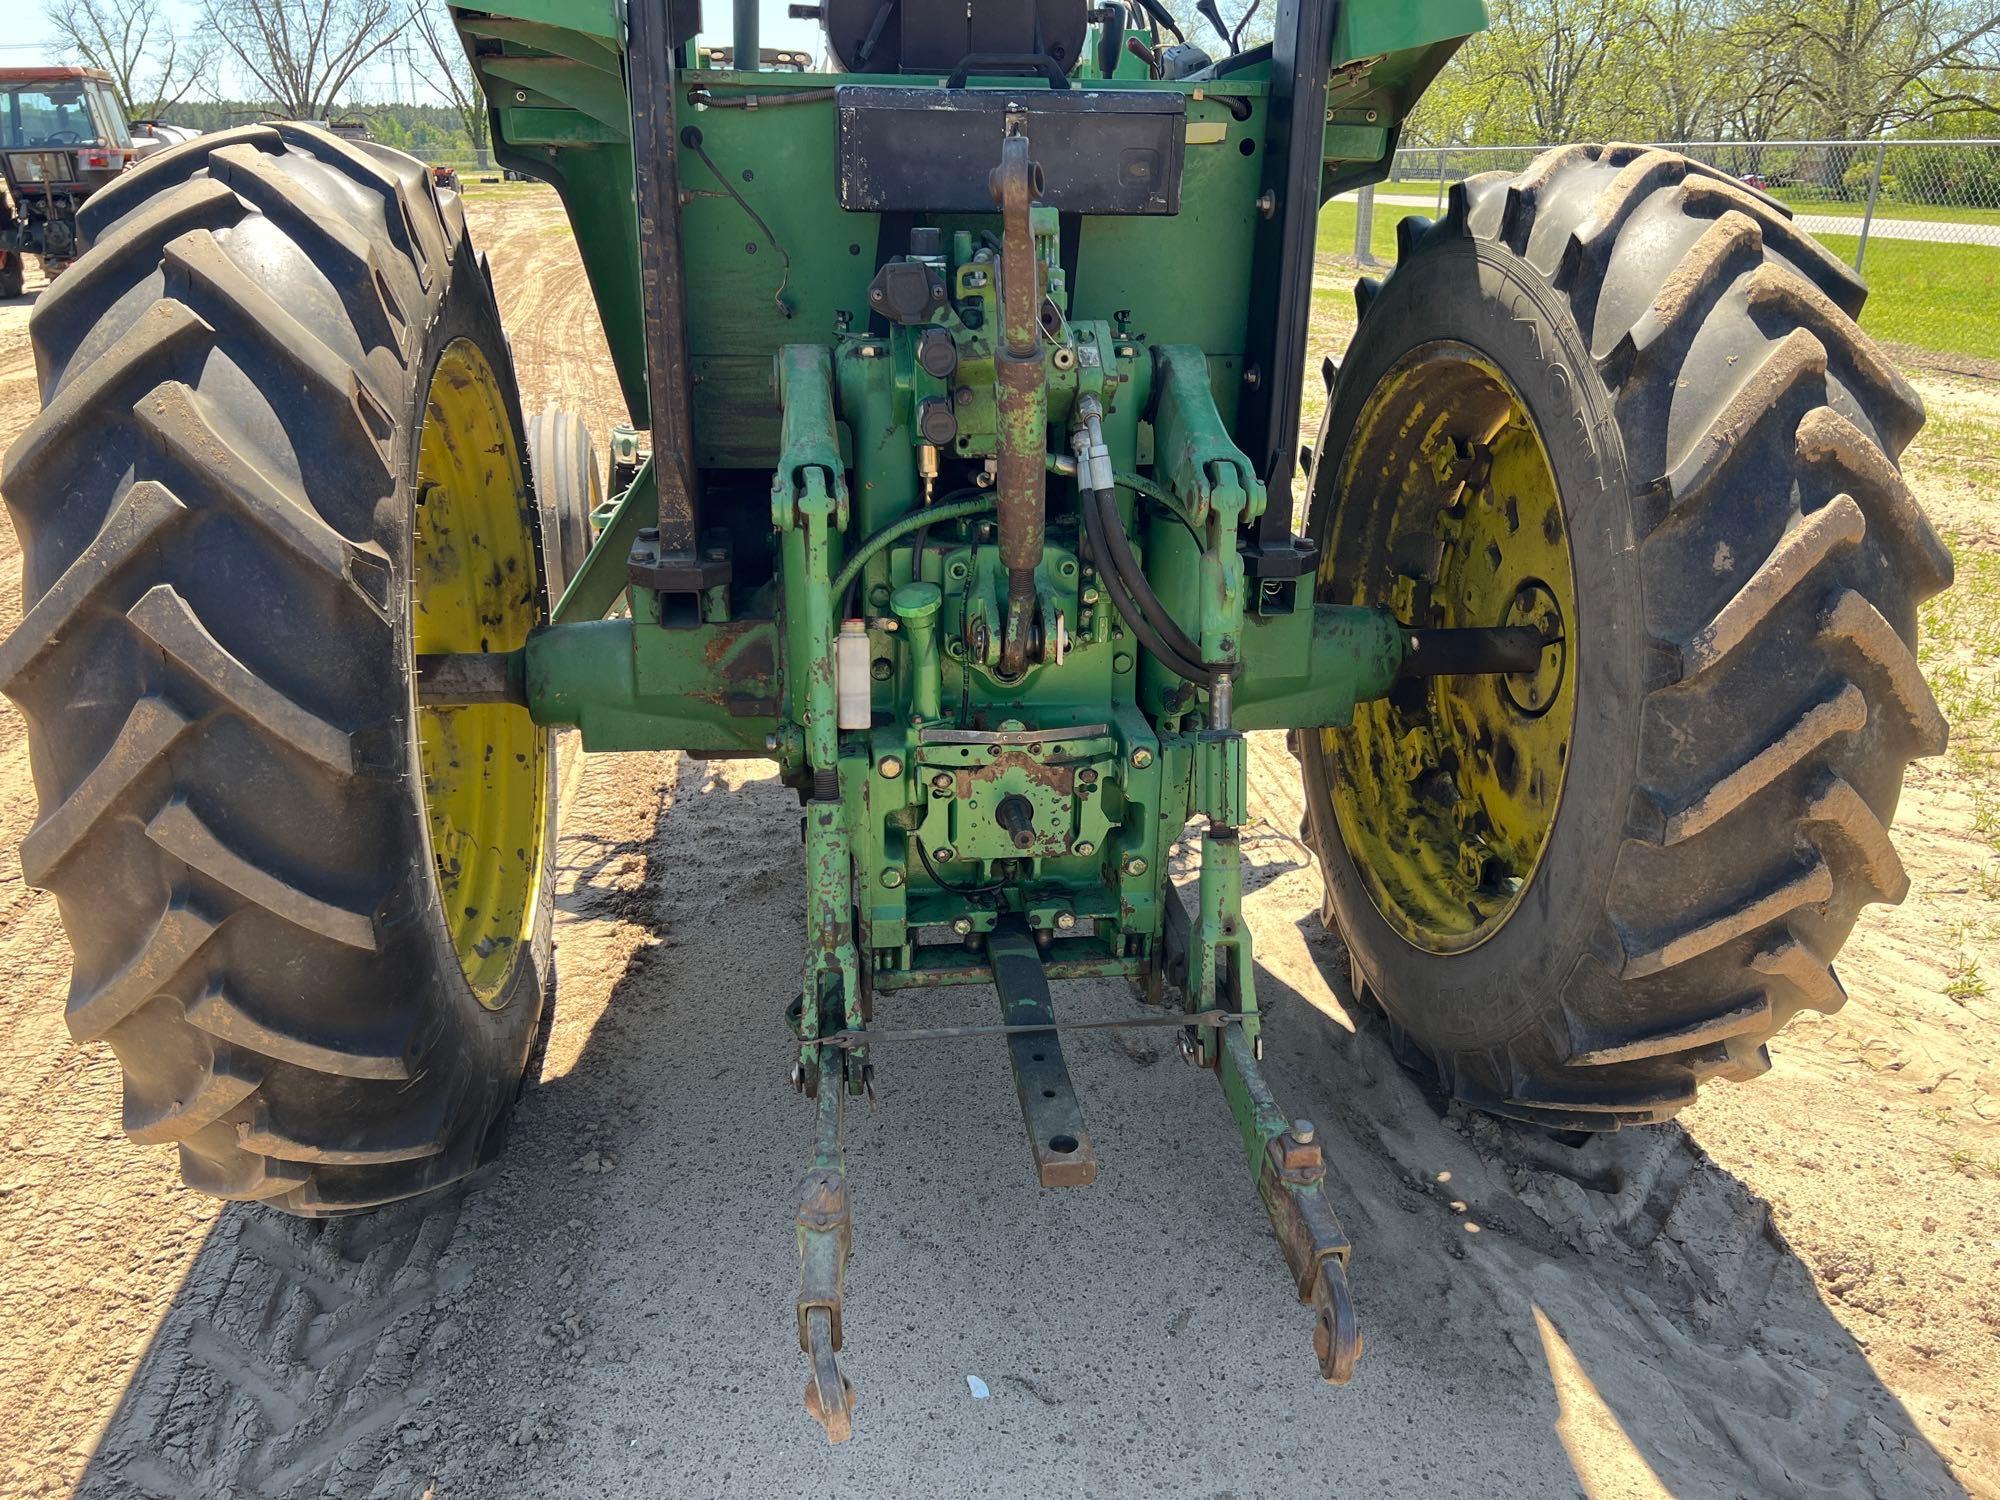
[1121, 598]
[1119, 559]
[945, 510]
[1163, 18]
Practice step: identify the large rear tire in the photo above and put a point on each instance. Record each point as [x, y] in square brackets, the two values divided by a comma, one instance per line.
[1621, 380]
[279, 454]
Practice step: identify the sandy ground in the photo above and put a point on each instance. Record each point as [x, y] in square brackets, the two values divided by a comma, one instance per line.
[1791, 1292]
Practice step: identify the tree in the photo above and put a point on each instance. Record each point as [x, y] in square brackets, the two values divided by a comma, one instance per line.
[152, 66]
[1564, 64]
[455, 78]
[304, 53]
[1691, 69]
[1864, 66]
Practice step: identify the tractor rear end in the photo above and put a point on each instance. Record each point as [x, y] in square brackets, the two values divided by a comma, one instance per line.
[973, 376]
[62, 137]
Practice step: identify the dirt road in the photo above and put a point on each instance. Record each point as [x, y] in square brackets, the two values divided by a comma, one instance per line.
[1796, 1291]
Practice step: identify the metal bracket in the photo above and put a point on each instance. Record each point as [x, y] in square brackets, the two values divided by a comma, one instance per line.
[1064, 1156]
[825, 1235]
[1291, 1180]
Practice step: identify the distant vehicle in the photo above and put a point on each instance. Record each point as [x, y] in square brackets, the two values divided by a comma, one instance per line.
[445, 177]
[1756, 180]
[156, 135]
[13, 266]
[62, 137]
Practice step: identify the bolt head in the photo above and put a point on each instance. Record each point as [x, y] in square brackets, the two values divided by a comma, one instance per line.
[890, 766]
[962, 926]
[945, 854]
[1134, 865]
[892, 878]
[1142, 757]
[771, 742]
[942, 781]
[1065, 920]
[1085, 847]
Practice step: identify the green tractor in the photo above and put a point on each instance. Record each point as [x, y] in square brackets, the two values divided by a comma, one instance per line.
[976, 502]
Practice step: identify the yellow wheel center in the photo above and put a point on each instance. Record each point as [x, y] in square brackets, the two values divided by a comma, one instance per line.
[474, 587]
[1446, 790]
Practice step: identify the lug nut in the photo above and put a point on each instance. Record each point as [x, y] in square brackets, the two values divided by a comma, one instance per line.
[890, 766]
[962, 926]
[1142, 757]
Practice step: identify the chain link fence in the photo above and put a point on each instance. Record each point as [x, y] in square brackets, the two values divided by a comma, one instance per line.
[1919, 219]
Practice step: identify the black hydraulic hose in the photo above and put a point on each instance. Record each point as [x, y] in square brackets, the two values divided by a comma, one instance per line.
[987, 889]
[1122, 561]
[1121, 598]
[1163, 18]
[1160, 651]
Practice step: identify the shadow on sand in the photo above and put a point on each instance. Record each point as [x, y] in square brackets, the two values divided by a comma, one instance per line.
[608, 1309]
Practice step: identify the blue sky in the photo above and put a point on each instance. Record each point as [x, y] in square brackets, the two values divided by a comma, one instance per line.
[399, 73]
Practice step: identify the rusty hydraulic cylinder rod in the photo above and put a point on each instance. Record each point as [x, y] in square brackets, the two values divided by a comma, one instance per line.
[1023, 398]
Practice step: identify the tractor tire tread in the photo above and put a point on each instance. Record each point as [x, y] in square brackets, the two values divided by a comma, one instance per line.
[1737, 878]
[167, 819]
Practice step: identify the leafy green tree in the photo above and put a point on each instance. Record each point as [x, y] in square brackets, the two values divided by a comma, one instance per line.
[1863, 66]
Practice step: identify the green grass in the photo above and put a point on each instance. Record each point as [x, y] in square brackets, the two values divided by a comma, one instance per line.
[1336, 228]
[1801, 200]
[1938, 297]
[1964, 982]
[1958, 646]
[1888, 208]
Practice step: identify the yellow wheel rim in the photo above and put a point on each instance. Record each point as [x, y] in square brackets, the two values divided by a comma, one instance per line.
[474, 587]
[1445, 792]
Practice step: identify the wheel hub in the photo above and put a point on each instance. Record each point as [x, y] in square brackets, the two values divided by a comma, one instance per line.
[474, 588]
[1445, 792]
